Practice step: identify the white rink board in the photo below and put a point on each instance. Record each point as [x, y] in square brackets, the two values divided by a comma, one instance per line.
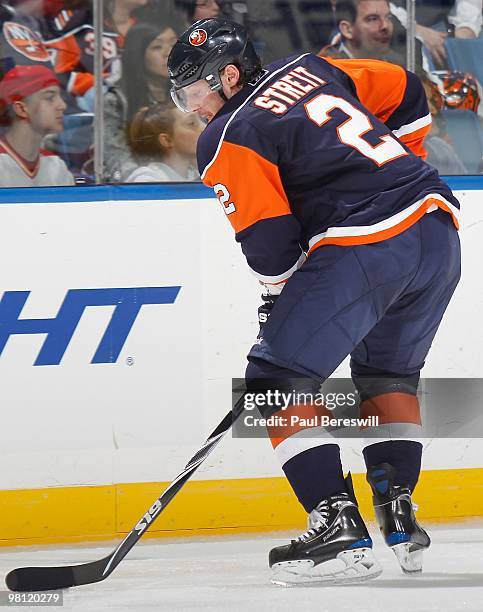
[139, 419]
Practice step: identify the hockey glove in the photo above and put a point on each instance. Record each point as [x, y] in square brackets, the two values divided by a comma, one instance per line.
[265, 309]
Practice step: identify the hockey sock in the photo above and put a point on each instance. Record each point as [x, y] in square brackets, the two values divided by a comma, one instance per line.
[315, 474]
[312, 466]
[403, 455]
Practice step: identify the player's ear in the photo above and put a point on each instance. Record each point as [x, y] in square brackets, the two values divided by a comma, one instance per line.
[230, 76]
[345, 28]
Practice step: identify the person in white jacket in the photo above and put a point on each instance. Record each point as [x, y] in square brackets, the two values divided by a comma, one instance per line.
[465, 17]
[163, 140]
[31, 106]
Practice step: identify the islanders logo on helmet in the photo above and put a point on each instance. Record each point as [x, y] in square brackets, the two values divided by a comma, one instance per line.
[25, 41]
[198, 37]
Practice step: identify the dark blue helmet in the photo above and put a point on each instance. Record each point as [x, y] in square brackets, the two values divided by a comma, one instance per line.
[206, 48]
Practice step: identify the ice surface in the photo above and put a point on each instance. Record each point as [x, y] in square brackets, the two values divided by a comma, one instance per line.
[231, 574]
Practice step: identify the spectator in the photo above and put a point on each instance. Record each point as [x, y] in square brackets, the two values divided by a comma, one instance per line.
[436, 19]
[119, 14]
[24, 35]
[194, 10]
[162, 11]
[70, 39]
[279, 29]
[366, 31]
[32, 107]
[164, 139]
[319, 22]
[144, 82]
[21, 34]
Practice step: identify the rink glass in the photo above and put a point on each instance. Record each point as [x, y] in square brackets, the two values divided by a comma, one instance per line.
[278, 29]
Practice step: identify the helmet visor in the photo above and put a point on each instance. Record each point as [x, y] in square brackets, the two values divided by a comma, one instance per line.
[191, 98]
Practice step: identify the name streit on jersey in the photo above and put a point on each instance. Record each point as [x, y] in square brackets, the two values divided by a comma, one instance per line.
[287, 91]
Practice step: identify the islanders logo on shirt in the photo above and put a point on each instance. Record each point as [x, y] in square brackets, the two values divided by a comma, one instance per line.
[25, 41]
[198, 37]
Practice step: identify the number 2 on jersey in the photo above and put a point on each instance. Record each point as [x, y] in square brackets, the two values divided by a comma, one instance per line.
[351, 131]
[224, 198]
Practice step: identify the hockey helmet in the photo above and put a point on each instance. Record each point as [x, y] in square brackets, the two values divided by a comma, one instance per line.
[203, 51]
[460, 91]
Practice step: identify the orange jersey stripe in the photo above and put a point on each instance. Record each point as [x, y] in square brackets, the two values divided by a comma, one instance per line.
[392, 408]
[380, 86]
[389, 232]
[279, 433]
[415, 141]
[254, 184]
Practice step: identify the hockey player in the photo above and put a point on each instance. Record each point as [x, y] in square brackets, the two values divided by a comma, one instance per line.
[317, 164]
[32, 107]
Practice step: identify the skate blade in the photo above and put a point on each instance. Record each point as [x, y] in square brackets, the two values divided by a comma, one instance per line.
[349, 566]
[410, 557]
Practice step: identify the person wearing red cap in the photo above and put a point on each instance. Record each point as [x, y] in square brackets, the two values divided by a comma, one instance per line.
[31, 106]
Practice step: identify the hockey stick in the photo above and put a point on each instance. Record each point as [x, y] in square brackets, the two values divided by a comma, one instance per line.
[50, 578]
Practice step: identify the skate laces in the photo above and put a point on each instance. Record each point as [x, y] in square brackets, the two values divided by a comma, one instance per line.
[319, 517]
[400, 494]
[407, 493]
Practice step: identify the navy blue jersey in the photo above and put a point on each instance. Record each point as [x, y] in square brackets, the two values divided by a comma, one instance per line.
[321, 152]
[70, 41]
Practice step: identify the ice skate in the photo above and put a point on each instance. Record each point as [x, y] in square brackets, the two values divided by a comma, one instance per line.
[397, 521]
[336, 549]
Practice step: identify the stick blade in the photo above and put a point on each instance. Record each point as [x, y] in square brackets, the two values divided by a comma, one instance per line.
[40, 578]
